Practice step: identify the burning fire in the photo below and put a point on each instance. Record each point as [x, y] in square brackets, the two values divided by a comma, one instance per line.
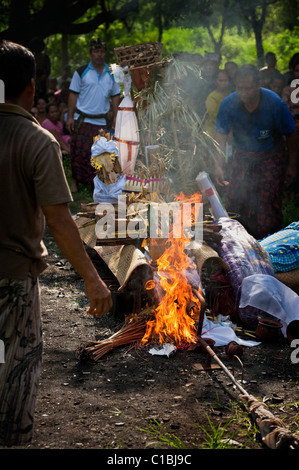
[176, 315]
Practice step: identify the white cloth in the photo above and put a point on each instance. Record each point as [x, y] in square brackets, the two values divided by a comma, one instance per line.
[108, 192]
[222, 335]
[103, 145]
[271, 296]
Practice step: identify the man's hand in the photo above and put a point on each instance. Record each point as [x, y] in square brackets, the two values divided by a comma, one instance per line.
[292, 151]
[70, 124]
[72, 102]
[291, 174]
[218, 175]
[99, 296]
[66, 235]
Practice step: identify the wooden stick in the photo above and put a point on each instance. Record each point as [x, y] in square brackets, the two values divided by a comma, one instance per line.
[230, 375]
[274, 433]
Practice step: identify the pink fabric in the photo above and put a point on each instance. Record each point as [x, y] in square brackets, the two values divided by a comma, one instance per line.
[50, 126]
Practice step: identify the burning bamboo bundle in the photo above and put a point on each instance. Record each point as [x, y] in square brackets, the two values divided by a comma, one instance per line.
[131, 332]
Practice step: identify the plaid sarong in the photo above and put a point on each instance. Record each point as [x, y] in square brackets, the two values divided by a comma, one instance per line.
[21, 333]
[255, 191]
[81, 143]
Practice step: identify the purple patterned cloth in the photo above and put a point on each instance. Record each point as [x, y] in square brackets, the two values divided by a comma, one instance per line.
[245, 257]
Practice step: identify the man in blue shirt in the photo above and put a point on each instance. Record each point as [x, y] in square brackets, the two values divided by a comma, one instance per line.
[262, 128]
[92, 93]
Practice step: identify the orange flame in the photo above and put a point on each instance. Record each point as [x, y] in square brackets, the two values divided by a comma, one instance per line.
[175, 318]
[150, 284]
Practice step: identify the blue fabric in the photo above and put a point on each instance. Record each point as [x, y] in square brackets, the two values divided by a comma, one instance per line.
[94, 92]
[283, 248]
[254, 132]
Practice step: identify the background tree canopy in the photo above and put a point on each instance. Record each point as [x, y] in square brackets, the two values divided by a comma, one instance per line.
[239, 30]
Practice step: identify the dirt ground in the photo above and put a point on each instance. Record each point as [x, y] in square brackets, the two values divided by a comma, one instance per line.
[110, 404]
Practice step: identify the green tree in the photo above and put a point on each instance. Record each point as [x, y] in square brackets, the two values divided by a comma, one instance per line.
[288, 13]
[254, 13]
[25, 19]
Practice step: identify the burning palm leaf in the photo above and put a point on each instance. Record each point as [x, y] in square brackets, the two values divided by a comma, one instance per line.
[167, 117]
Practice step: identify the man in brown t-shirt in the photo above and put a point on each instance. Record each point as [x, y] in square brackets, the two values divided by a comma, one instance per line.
[33, 189]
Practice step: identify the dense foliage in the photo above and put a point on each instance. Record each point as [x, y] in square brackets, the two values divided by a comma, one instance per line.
[240, 31]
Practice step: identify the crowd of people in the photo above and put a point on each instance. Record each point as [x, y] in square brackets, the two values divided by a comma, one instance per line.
[54, 105]
[54, 97]
[74, 106]
[270, 78]
[251, 114]
[66, 114]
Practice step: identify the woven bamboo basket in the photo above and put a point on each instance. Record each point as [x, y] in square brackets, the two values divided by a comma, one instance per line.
[136, 185]
[139, 55]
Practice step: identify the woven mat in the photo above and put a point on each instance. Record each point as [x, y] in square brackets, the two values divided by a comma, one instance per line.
[204, 253]
[122, 261]
[87, 230]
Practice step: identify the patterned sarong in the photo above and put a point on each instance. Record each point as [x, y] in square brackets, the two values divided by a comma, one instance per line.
[21, 333]
[81, 143]
[255, 191]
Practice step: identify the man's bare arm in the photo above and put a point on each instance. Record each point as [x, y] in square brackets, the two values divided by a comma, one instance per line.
[115, 100]
[221, 140]
[72, 102]
[292, 147]
[67, 237]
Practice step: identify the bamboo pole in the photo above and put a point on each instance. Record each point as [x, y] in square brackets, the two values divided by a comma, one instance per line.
[275, 434]
[230, 375]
